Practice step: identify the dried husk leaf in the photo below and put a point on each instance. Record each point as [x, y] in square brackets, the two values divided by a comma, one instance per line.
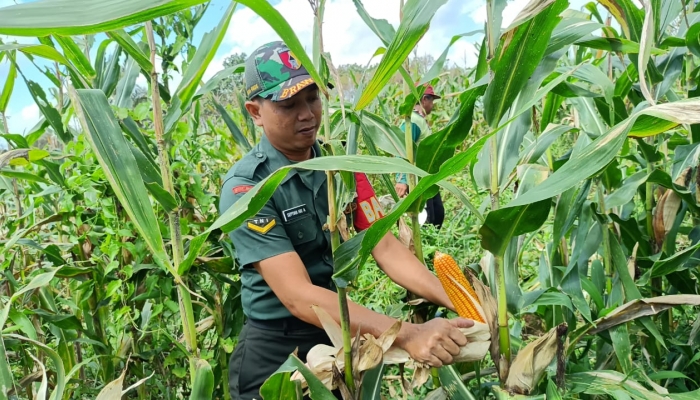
[631, 263]
[386, 339]
[529, 365]
[490, 308]
[421, 374]
[643, 308]
[370, 355]
[342, 226]
[406, 235]
[335, 334]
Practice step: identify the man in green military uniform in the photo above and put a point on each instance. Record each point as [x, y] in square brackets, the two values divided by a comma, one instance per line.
[285, 251]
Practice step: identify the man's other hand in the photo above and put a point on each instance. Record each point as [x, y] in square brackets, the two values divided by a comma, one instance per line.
[435, 342]
[401, 189]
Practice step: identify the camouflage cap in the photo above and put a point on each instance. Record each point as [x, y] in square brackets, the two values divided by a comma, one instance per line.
[272, 71]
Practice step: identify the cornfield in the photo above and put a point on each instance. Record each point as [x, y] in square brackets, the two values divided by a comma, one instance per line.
[568, 158]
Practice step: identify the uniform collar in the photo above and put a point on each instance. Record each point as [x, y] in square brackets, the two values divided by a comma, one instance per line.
[277, 160]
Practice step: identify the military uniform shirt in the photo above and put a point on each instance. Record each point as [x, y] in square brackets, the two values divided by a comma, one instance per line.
[292, 220]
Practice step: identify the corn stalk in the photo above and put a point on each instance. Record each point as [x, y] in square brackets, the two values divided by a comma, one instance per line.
[185, 301]
[318, 8]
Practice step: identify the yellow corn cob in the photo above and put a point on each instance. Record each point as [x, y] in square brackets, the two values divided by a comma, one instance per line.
[455, 284]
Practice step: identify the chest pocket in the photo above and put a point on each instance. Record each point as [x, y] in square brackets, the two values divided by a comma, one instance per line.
[301, 230]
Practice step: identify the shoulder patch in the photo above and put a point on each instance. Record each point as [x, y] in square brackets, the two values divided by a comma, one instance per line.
[246, 166]
[242, 189]
[261, 225]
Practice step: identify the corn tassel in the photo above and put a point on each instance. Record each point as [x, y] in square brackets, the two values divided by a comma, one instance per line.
[457, 287]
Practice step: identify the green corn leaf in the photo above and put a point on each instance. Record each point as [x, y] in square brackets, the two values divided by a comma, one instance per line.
[76, 56]
[381, 27]
[59, 371]
[385, 136]
[440, 146]
[43, 51]
[238, 137]
[417, 15]
[371, 386]
[41, 279]
[692, 39]
[524, 46]
[120, 168]
[7, 88]
[503, 224]
[595, 156]
[279, 386]
[133, 49]
[203, 386]
[6, 381]
[126, 84]
[200, 62]
[83, 17]
[613, 44]
[645, 43]
[50, 113]
[451, 381]
[570, 30]
[215, 80]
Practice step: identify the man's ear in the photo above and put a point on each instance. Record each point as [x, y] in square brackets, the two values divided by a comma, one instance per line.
[253, 108]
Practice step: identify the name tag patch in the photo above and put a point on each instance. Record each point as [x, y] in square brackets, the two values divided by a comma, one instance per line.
[294, 213]
[261, 225]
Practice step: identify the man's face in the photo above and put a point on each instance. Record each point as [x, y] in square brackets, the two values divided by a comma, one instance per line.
[291, 125]
[427, 103]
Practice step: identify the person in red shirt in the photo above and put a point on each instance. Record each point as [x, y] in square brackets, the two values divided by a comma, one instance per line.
[284, 251]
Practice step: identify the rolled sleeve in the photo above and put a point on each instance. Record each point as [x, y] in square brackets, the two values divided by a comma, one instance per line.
[257, 238]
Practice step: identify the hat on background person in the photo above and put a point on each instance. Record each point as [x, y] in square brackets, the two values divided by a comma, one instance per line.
[272, 71]
[429, 91]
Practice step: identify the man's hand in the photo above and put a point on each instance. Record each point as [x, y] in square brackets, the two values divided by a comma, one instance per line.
[435, 342]
[401, 189]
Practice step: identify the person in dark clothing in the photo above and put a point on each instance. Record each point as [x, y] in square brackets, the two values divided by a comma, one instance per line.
[421, 129]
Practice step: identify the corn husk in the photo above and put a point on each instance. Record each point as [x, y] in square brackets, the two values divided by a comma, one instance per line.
[530, 363]
[322, 359]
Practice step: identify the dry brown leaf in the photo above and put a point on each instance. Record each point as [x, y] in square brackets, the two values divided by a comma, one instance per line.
[665, 214]
[643, 308]
[335, 334]
[343, 227]
[530, 363]
[421, 374]
[386, 339]
[631, 263]
[658, 220]
[490, 308]
[370, 354]
[406, 235]
[671, 207]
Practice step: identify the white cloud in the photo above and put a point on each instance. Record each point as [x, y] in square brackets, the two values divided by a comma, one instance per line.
[23, 120]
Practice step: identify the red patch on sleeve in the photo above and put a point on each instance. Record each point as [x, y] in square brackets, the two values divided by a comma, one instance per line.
[368, 207]
[242, 189]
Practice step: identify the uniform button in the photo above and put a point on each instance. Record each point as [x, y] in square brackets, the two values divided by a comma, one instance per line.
[300, 235]
[259, 155]
[325, 257]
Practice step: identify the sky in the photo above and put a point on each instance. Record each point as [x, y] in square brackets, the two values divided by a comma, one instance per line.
[346, 37]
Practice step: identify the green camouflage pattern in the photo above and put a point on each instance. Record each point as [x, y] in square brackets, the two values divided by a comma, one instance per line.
[273, 72]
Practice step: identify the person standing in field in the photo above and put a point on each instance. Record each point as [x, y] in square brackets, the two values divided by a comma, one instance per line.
[421, 129]
[284, 252]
